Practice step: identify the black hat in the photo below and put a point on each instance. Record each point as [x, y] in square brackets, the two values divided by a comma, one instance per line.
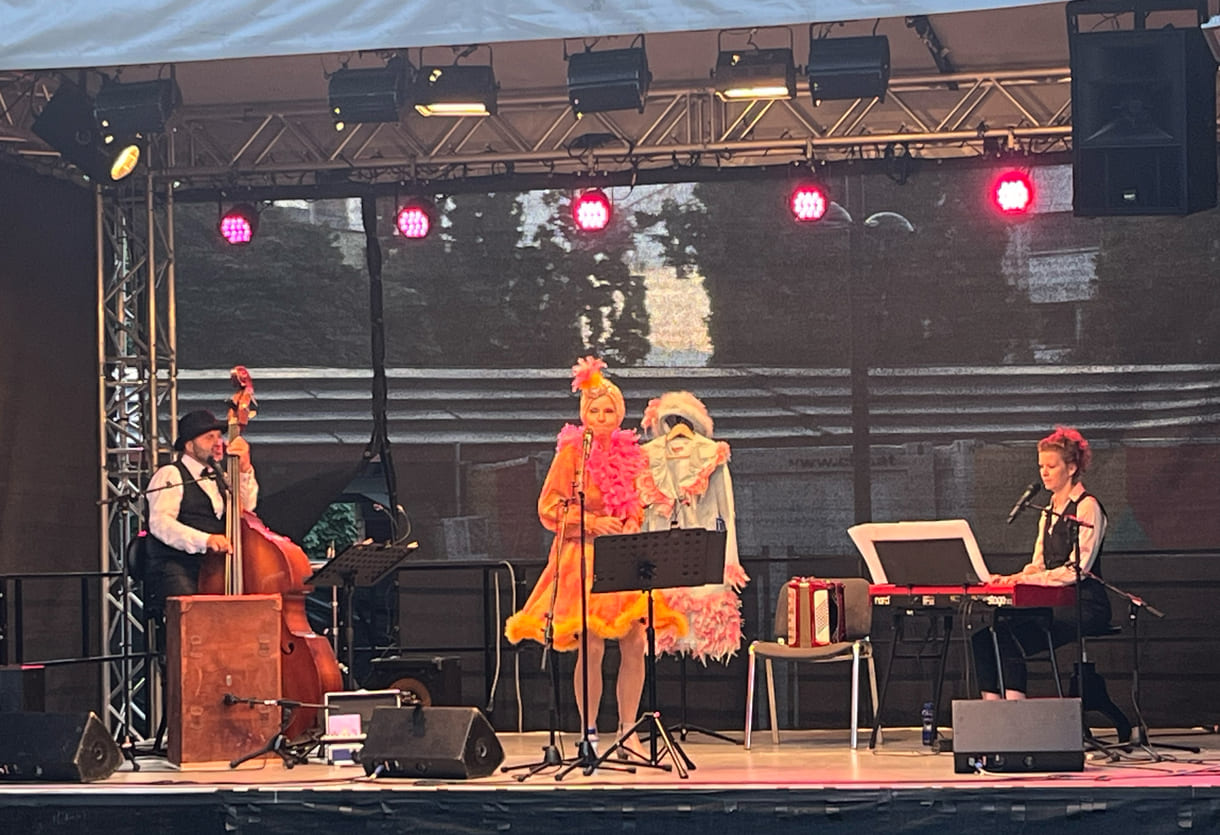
[193, 424]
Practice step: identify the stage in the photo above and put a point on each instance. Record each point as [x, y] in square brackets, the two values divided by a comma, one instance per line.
[812, 778]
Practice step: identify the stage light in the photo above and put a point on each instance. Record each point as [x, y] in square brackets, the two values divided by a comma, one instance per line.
[141, 107]
[591, 210]
[613, 79]
[808, 203]
[752, 72]
[1012, 193]
[368, 94]
[67, 123]
[239, 224]
[457, 90]
[415, 218]
[848, 68]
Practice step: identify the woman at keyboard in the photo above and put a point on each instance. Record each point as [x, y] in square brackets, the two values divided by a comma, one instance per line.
[1074, 523]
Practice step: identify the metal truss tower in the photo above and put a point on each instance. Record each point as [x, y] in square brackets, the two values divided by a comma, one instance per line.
[137, 405]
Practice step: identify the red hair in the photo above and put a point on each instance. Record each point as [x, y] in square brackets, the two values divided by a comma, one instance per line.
[1072, 446]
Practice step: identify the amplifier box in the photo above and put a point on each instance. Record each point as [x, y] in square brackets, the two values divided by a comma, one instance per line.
[1017, 735]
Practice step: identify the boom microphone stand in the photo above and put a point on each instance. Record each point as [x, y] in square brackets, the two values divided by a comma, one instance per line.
[1086, 683]
[1141, 734]
[123, 734]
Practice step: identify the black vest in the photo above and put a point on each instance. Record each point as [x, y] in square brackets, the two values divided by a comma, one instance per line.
[1057, 550]
[194, 512]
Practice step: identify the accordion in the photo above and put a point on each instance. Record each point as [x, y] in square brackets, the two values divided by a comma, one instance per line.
[816, 615]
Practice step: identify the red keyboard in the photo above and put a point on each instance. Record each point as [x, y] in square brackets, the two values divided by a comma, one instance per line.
[920, 597]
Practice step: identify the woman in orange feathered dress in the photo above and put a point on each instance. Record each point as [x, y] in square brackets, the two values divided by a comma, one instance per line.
[612, 506]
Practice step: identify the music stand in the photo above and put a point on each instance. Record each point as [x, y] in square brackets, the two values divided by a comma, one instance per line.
[677, 558]
[942, 552]
[360, 565]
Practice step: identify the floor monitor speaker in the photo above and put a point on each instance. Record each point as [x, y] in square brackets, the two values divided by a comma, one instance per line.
[446, 743]
[56, 747]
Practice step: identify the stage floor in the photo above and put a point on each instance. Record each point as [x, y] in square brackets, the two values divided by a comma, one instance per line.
[803, 759]
[811, 779]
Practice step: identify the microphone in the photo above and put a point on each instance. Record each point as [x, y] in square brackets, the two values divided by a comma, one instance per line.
[1030, 491]
[587, 444]
[218, 474]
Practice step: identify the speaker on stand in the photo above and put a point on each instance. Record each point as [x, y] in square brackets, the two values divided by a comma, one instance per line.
[1143, 116]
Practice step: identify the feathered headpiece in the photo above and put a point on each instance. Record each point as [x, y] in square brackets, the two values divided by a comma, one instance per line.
[680, 404]
[587, 378]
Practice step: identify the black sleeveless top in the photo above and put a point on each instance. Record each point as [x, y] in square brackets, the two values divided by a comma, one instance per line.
[195, 511]
[1058, 549]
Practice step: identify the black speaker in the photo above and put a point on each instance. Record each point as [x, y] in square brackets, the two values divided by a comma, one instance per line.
[23, 688]
[848, 68]
[1017, 735]
[446, 743]
[428, 679]
[56, 747]
[1143, 122]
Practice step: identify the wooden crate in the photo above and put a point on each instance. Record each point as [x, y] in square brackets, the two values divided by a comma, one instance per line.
[220, 645]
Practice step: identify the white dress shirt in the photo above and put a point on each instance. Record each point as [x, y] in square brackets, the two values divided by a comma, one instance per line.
[165, 500]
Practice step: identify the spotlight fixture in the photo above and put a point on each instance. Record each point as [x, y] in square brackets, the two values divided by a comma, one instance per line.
[612, 79]
[848, 68]
[239, 224]
[752, 72]
[1012, 193]
[368, 94]
[591, 210]
[415, 218]
[68, 125]
[455, 90]
[808, 203]
[141, 107]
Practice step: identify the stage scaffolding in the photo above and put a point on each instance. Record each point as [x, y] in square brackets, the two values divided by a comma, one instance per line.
[137, 409]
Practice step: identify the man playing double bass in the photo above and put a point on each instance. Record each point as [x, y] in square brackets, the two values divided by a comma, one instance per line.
[186, 508]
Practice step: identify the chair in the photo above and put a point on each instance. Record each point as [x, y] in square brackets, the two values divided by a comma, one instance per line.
[859, 614]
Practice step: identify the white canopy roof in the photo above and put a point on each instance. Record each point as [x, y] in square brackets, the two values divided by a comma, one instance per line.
[46, 34]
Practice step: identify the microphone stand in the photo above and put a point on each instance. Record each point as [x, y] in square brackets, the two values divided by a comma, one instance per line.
[551, 755]
[1141, 735]
[123, 734]
[1086, 683]
[292, 753]
[586, 756]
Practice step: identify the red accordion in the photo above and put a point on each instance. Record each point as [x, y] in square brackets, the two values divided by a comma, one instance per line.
[816, 614]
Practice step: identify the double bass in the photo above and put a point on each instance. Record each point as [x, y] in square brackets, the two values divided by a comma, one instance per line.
[264, 562]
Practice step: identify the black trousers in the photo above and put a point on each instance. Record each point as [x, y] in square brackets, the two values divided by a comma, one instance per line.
[169, 576]
[1019, 637]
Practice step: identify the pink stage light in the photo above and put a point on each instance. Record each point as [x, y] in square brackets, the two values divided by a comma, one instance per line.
[1012, 193]
[808, 203]
[414, 219]
[239, 224]
[591, 210]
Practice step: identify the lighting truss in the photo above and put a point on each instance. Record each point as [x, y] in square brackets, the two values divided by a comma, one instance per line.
[534, 133]
[137, 397]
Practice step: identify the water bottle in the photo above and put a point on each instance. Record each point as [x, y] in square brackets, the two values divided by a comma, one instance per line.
[929, 723]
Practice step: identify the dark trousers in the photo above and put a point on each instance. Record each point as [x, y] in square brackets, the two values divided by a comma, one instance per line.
[169, 576]
[1019, 637]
